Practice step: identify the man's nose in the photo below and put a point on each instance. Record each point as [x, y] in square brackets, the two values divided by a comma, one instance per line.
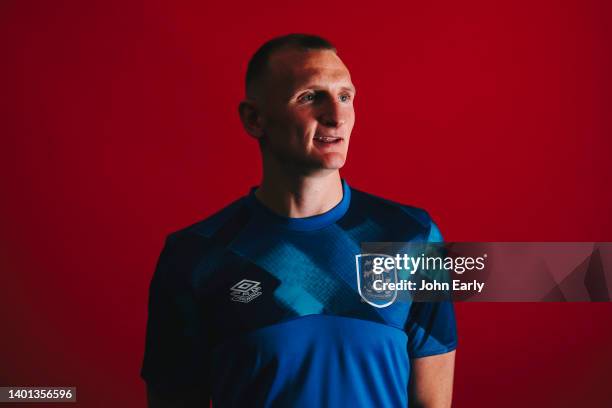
[332, 114]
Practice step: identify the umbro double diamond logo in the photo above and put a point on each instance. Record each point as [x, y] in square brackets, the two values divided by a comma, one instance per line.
[245, 291]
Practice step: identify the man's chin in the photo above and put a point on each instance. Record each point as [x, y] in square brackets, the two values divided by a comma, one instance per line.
[332, 160]
[323, 163]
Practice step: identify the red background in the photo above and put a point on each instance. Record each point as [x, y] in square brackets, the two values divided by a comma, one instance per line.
[119, 125]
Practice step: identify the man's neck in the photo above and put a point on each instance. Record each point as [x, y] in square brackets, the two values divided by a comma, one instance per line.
[299, 196]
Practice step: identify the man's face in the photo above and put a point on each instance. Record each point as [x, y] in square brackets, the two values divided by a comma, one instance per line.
[307, 112]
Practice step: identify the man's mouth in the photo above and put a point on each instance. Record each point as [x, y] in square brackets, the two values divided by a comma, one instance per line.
[328, 139]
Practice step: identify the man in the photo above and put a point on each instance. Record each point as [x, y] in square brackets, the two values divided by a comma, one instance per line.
[258, 305]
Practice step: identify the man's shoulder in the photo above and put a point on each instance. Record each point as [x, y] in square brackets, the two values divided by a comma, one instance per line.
[185, 248]
[376, 204]
[213, 224]
[394, 215]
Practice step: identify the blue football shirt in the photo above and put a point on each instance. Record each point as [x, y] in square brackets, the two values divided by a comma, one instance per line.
[261, 310]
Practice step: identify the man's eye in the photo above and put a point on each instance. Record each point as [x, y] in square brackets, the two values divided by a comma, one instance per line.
[307, 97]
[345, 98]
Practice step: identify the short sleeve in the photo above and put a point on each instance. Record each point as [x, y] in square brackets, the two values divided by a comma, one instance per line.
[431, 326]
[176, 357]
[431, 329]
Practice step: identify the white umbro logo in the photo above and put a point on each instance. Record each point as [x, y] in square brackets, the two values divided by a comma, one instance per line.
[245, 291]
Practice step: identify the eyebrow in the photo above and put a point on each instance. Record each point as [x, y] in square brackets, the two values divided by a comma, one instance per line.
[313, 86]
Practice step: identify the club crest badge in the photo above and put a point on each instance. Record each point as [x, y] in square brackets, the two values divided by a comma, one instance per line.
[366, 278]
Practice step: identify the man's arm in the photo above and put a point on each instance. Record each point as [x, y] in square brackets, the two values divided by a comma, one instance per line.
[176, 361]
[431, 381]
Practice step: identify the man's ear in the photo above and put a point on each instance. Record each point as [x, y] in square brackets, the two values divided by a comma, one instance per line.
[251, 118]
